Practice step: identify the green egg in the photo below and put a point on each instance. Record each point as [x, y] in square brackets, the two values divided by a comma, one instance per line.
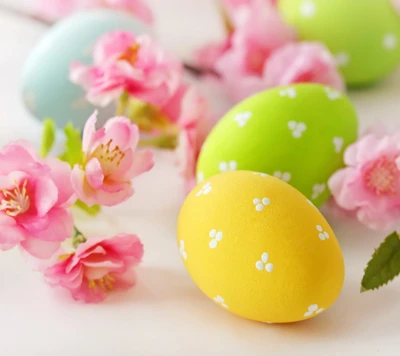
[297, 133]
[363, 35]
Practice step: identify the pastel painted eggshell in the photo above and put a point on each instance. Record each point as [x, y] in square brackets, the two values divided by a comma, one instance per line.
[364, 36]
[296, 133]
[259, 249]
[46, 89]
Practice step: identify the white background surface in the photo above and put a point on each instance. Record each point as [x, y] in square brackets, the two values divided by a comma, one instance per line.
[166, 314]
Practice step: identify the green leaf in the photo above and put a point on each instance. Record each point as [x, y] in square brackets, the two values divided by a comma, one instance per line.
[73, 146]
[92, 210]
[384, 265]
[48, 137]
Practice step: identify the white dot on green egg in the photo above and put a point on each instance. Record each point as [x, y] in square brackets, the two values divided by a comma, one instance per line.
[318, 189]
[288, 92]
[338, 144]
[342, 59]
[332, 94]
[308, 8]
[243, 117]
[390, 41]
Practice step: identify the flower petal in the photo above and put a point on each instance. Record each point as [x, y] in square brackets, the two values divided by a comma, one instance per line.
[61, 176]
[40, 249]
[89, 131]
[122, 132]
[46, 195]
[103, 197]
[124, 280]
[143, 161]
[81, 187]
[60, 226]
[94, 173]
[11, 234]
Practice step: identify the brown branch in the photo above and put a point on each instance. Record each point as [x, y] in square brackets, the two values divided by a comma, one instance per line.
[191, 68]
[198, 71]
[25, 15]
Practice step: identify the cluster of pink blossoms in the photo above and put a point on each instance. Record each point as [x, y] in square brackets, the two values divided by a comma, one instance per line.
[260, 52]
[36, 199]
[150, 88]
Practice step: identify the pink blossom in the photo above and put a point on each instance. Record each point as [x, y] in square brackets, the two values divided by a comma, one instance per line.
[208, 55]
[56, 9]
[195, 123]
[259, 30]
[396, 4]
[126, 63]
[300, 63]
[294, 63]
[110, 162]
[98, 267]
[34, 200]
[370, 184]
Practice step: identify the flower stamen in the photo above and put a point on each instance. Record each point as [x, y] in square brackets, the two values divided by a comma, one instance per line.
[103, 283]
[382, 176]
[15, 202]
[131, 54]
[106, 155]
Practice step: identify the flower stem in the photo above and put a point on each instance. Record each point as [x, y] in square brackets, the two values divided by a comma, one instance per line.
[167, 141]
[122, 104]
[78, 238]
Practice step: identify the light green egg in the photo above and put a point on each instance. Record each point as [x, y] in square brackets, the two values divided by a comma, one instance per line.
[363, 35]
[296, 133]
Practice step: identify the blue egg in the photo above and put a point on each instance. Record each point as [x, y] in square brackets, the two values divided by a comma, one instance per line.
[46, 89]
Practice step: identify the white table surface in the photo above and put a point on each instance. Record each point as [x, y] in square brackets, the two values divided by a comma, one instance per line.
[166, 314]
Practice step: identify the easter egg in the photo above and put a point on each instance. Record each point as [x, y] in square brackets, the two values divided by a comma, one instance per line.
[296, 133]
[364, 36]
[46, 89]
[259, 248]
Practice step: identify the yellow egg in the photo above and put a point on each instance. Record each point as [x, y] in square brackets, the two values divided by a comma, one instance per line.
[259, 249]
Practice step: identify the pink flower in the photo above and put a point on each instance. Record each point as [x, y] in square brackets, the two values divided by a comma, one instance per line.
[55, 9]
[370, 185]
[110, 162]
[258, 31]
[195, 123]
[34, 200]
[294, 63]
[396, 4]
[126, 63]
[300, 63]
[98, 267]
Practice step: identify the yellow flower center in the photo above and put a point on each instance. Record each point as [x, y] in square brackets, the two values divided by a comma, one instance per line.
[108, 157]
[15, 201]
[105, 283]
[131, 54]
